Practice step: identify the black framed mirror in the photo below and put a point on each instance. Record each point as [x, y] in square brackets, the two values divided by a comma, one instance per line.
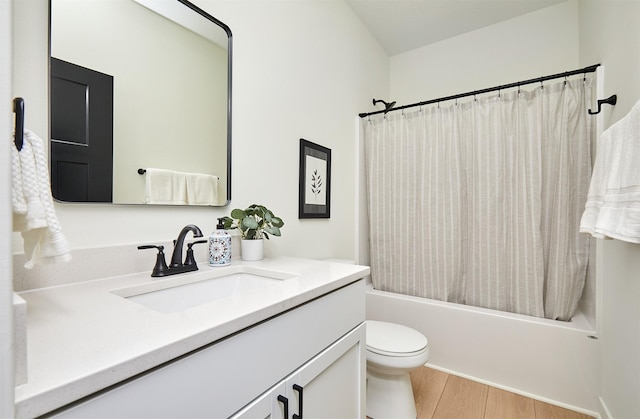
[140, 92]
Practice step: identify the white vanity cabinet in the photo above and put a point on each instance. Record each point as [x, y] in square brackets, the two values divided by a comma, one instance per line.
[318, 346]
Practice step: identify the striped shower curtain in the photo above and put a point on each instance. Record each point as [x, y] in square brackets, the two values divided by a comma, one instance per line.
[479, 202]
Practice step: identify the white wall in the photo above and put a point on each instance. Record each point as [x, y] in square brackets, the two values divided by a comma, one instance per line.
[610, 34]
[301, 70]
[536, 44]
[6, 129]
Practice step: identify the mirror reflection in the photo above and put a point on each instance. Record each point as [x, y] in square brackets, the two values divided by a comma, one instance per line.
[140, 103]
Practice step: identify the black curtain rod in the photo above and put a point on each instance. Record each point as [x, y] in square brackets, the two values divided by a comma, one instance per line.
[589, 69]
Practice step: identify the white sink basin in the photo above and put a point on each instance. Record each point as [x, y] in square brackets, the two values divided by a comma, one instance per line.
[183, 292]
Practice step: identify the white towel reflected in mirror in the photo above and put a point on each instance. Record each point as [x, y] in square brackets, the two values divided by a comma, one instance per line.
[168, 187]
[202, 189]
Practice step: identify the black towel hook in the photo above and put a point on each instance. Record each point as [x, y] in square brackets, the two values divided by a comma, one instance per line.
[611, 100]
[18, 109]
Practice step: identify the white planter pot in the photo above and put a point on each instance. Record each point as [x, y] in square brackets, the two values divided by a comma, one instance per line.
[252, 249]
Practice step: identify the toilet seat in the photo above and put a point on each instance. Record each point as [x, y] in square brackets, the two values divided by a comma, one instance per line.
[394, 340]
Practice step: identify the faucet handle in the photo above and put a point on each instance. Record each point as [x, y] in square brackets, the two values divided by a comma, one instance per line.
[160, 267]
[190, 259]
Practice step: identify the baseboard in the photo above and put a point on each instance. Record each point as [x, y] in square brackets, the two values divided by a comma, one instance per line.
[604, 412]
[596, 415]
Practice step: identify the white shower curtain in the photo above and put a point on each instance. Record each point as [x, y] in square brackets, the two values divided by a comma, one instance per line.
[479, 203]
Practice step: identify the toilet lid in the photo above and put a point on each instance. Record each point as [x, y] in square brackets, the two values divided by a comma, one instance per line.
[394, 339]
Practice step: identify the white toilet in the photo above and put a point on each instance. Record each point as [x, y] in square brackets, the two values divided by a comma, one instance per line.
[393, 351]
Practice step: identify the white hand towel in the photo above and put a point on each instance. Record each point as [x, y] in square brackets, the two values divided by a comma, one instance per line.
[613, 203]
[202, 189]
[32, 215]
[44, 241]
[166, 187]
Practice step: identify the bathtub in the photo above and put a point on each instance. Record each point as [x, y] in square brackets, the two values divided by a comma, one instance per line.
[552, 361]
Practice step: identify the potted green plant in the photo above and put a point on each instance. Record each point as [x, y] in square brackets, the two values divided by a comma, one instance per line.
[255, 223]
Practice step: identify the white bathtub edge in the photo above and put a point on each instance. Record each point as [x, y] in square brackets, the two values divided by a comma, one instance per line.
[578, 321]
[546, 360]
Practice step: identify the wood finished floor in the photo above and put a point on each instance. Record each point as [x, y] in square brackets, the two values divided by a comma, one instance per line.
[439, 395]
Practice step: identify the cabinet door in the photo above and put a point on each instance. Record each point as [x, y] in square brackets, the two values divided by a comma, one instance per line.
[270, 405]
[332, 384]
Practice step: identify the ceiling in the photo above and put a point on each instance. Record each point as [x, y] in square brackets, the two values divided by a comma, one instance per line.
[403, 25]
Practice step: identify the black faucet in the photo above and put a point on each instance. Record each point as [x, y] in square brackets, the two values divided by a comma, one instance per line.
[176, 257]
[176, 266]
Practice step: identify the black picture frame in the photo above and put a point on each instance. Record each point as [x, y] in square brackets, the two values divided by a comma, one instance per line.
[314, 199]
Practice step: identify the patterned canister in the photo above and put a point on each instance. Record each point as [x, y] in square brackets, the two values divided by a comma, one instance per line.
[219, 246]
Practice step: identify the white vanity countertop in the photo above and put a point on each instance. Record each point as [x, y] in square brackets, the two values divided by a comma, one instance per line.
[82, 338]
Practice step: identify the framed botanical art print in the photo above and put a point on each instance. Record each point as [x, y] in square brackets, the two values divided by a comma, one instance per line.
[315, 181]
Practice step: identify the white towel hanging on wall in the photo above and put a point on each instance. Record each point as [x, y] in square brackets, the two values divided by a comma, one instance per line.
[33, 211]
[613, 204]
